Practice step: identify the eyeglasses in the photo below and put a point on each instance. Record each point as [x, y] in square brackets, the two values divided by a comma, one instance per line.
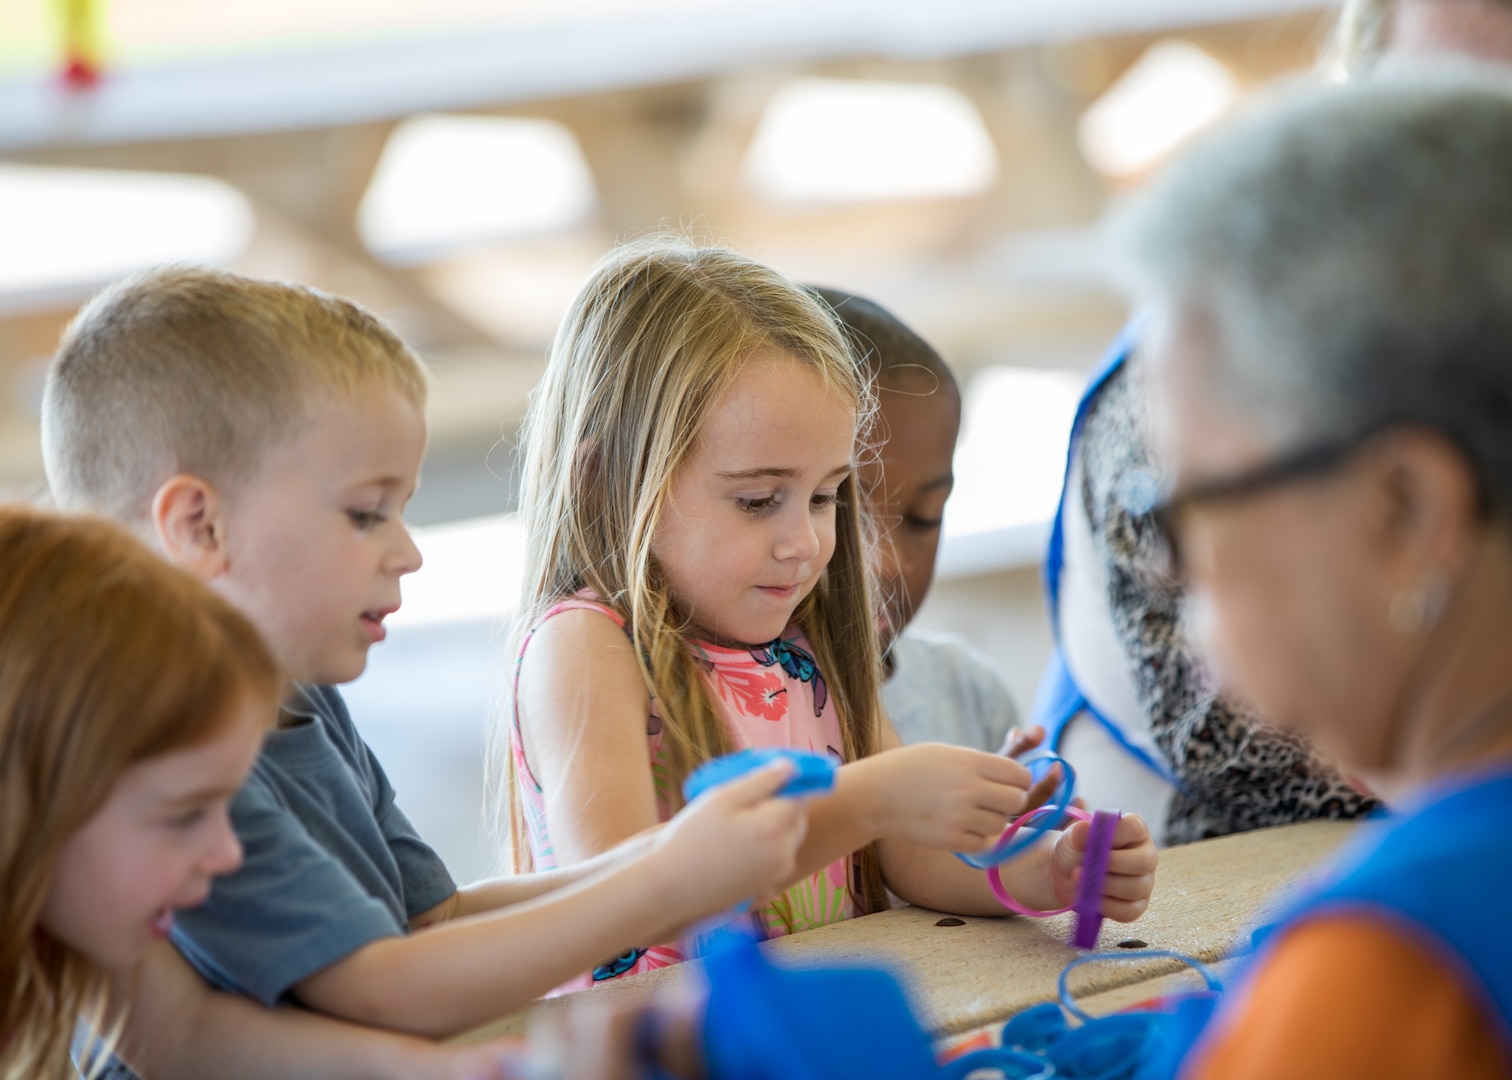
[1299, 465]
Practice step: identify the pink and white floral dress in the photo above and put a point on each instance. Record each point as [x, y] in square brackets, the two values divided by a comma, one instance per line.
[773, 695]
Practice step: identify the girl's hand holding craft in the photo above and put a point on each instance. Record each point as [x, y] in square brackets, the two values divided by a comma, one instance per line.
[945, 797]
[1131, 868]
[739, 839]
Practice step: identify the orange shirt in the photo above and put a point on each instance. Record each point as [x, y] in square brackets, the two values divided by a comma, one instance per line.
[1345, 997]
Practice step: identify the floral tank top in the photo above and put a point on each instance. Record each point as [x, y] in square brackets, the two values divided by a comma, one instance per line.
[771, 696]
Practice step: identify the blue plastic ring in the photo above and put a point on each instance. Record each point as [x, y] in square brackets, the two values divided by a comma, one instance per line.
[1030, 834]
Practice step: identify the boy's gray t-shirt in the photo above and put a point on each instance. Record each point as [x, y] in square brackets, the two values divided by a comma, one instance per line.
[943, 690]
[330, 862]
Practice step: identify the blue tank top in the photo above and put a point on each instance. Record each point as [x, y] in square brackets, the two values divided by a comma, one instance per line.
[1441, 869]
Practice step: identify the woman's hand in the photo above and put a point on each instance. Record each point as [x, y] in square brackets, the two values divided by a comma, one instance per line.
[734, 843]
[592, 1040]
[1131, 867]
[506, 1059]
[943, 797]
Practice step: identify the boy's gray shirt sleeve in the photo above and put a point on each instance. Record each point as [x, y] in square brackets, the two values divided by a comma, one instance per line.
[289, 911]
[427, 881]
[330, 862]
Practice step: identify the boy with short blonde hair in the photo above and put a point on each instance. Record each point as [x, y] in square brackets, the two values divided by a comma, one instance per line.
[123, 409]
[267, 437]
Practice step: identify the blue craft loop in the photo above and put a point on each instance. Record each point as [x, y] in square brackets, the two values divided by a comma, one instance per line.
[1009, 1064]
[1106, 1050]
[812, 773]
[1035, 1030]
[1113, 1047]
[1029, 835]
[1069, 1003]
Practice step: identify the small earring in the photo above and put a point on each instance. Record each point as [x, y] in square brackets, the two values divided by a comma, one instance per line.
[1418, 611]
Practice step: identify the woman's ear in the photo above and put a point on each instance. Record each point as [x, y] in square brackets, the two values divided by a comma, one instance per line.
[1433, 504]
[188, 524]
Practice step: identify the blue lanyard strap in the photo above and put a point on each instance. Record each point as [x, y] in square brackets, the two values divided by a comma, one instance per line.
[1112, 361]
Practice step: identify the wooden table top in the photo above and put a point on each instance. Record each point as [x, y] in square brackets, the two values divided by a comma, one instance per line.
[1208, 898]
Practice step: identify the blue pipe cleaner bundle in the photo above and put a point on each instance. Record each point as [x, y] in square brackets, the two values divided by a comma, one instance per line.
[770, 1023]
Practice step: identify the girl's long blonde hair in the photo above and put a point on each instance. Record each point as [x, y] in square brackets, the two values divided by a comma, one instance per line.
[650, 346]
[108, 657]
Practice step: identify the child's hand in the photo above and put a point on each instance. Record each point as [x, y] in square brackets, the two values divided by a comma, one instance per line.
[945, 797]
[735, 842]
[1131, 867]
[621, 1040]
[1020, 741]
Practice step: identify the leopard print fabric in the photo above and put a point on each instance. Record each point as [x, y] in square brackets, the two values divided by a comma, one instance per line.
[1238, 775]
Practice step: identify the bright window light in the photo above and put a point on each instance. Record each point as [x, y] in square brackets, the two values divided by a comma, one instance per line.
[449, 182]
[472, 570]
[65, 231]
[1012, 454]
[832, 140]
[1172, 91]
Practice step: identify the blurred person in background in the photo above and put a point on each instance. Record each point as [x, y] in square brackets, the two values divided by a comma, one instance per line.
[937, 687]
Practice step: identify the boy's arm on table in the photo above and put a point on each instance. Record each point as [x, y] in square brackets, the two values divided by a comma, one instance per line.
[457, 974]
[495, 893]
[180, 1028]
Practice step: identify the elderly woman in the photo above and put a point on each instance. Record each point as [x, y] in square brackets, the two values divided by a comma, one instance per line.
[1330, 378]
[1127, 698]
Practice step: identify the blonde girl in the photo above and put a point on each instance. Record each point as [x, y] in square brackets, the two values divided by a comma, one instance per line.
[696, 582]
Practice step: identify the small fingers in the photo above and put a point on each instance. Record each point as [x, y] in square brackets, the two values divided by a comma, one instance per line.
[1124, 910]
[1130, 832]
[1043, 789]
[979, 835]
[1021, 741]
[1002, 770]
[783, 820]
[1135, 861]
[1128, 886]
[1001, 802]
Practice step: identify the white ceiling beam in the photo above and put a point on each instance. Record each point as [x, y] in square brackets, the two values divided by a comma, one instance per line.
[371, 81]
